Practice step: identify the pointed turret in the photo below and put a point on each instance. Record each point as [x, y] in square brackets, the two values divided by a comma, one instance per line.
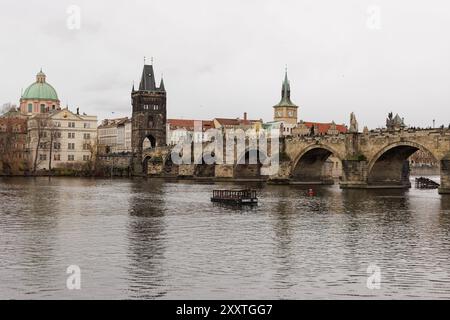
[161, 85]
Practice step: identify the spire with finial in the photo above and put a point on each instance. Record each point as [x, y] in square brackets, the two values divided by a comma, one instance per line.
[286, 93]
[286, 85]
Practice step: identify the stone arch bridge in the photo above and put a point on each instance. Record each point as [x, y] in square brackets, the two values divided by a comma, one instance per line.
[368, 160]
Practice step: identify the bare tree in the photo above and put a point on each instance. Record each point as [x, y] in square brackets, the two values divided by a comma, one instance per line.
[53, 134]
[12, 142]
[92, 147]
[38, 127]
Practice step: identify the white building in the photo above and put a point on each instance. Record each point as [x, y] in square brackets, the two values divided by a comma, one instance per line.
[179, 129]
[61, 137]
[114, 135]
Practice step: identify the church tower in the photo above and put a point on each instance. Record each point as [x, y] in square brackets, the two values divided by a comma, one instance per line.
[286, 111]
[149, 116]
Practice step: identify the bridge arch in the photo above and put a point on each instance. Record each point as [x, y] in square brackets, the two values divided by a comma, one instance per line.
[312, 165]
[390, 165]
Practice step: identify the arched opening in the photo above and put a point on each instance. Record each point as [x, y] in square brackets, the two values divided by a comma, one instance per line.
[391, 166]
[317, 165]
[149, 142]
[249, 165]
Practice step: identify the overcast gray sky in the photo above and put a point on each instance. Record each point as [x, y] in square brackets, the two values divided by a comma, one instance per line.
[221, 58]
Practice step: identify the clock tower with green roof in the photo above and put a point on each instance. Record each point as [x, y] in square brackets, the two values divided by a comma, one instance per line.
[286, 111]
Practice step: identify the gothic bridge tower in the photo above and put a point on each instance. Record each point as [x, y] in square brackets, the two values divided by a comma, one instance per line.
[149, 117]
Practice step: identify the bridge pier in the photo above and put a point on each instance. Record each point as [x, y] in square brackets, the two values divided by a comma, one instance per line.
[445, 177]
[354, 174]
[137, 166]
[186, 170]
[224, 171]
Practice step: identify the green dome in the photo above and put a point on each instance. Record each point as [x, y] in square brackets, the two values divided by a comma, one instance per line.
[40, 90]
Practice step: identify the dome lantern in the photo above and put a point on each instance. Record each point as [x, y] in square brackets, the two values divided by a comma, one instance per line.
[40, 77]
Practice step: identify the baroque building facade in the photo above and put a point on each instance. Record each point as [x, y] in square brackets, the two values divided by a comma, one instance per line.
[61, 138]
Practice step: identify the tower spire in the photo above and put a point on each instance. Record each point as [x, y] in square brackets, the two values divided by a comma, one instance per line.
[286, 88]
[286, 92]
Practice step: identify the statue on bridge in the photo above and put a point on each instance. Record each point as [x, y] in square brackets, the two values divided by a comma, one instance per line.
[353, 123]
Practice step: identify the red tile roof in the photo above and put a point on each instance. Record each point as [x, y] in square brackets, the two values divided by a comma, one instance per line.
[235, 122]
[324, 127]
[188, 124]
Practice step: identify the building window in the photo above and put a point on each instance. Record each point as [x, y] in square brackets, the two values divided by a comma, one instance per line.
[53, 107]
[42, 108]
[86, 158]
[56, 145]
[58, 134]
[70, 157]
[57, 157]
[86, 146]
[71, 124]
[71, 135]
[42, 157]
[87, 125]
[30, 107]
[42, 145]
[71, 146]
[87, 136]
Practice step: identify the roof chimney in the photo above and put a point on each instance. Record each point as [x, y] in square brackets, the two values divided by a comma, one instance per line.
[245, 116]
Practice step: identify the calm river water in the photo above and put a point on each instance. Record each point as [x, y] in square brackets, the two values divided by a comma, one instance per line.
[150, 239]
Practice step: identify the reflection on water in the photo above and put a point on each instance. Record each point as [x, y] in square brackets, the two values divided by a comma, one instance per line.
[150, 239]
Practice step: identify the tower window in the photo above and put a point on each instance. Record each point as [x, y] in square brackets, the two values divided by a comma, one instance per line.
[30, 107]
